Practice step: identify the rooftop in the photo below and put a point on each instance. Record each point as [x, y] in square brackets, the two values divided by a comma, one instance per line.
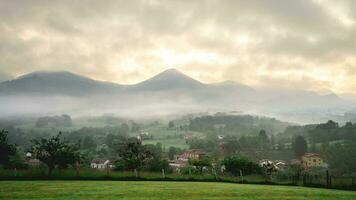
[311, 155]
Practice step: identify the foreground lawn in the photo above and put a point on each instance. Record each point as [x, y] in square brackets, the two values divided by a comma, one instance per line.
[160, 190]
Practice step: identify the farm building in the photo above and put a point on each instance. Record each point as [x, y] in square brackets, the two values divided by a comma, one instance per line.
[101, 164]
[310, 160]
[191, 154]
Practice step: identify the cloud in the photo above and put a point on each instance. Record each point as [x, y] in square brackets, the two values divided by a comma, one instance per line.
[299, 44]
[4, 76]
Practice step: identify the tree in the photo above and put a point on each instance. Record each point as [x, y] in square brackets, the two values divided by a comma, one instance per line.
[195, 143]
[231, 145]
[325, 146]
[263, 135]
[264, 140]
[55, 153]
[88, 142]
[200, 164]
[273, 141]
[233, 165]
[6, 150]
[124, 128]
[281, 146]
[135, 127]
[342, 156]
[324, 132]
[313, 147]
[16, 162]
[156, 163]
[170, 124]
[300, 146]
[113, 139]
[172, 151]
[133, 155]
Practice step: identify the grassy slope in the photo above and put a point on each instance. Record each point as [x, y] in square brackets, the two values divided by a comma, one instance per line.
[167, 137]
[160, 190]
[174, 142]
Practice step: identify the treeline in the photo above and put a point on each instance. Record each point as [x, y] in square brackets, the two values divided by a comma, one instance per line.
[58, 152]
[91, 141]
[320, 133]
[58, 121]
[231, 145]
[130, 155]
[336, 143]
[236, 124]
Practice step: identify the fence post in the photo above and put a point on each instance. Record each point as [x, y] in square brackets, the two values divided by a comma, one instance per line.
[242, 177]
[353, 182]
[327, 178]
[77, 169]
[216, 174]
[136, 174]
[163, 174]
[294, 179]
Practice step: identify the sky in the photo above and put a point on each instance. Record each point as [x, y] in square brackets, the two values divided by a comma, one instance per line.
[304, 44]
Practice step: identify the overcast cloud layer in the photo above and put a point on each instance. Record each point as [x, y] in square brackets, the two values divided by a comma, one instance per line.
[308, 44]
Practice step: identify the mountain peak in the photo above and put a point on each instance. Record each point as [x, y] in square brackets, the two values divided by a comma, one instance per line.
[171, 72]
[169, 79]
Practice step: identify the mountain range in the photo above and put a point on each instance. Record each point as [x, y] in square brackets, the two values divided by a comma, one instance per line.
[169, 92]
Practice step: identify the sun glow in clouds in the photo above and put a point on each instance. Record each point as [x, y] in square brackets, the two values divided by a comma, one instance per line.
[170, 57]
[129, 41]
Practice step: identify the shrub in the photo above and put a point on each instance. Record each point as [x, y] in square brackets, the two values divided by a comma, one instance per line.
[235, 164]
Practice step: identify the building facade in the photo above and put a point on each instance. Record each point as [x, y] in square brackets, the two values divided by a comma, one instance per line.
[310, 160]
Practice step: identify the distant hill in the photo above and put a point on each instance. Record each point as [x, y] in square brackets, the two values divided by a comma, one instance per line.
[168, 92]
[56, 83]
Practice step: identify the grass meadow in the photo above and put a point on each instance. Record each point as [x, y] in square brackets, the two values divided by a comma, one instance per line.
[161, 190]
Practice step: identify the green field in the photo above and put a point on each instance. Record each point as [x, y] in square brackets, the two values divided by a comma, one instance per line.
[160, 190]
[174, 142]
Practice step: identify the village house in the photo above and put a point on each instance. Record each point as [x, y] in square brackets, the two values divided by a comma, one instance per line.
[310, 160]
[191, 154]
[177, 164]
[182, 160]
[31, 161]
[221, 137]
[276, 164]
[101, 164]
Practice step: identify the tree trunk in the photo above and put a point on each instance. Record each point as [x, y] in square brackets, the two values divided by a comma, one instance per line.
[50, 169]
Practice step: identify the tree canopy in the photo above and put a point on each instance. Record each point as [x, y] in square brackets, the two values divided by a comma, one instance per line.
[235, 164]
[55, 152]
[6, 150]
[300, 146]
[133, 155]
